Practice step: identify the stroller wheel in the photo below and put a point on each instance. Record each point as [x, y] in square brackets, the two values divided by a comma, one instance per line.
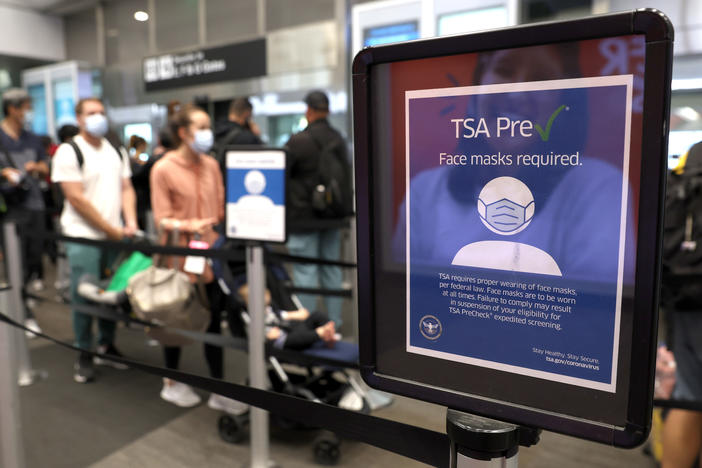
[327, 450]
[231, 429]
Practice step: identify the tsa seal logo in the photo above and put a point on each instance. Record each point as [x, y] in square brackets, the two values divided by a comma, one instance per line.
[430, 327]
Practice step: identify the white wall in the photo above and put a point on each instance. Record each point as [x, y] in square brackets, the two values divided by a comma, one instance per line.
[26, 33]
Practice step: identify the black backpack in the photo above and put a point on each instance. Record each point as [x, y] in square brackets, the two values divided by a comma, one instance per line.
[331, 193]
[682, 236]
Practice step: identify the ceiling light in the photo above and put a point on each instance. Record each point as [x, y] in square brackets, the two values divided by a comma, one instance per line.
[141, 15]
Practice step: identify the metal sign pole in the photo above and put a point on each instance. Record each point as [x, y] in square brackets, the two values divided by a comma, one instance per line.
[256, 279]
[478, 442]
[11, 450]
[13, 259]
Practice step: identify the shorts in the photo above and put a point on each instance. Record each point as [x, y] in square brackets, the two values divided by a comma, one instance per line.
[687, 348]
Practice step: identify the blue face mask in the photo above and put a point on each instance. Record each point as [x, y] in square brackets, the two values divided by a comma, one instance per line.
[505, 215]
[28, 118]
[203, 141]
[96, 125]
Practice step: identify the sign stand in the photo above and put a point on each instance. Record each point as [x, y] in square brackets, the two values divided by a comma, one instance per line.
[26, 375]
[255, 212]
[256, 279]
[478, 442]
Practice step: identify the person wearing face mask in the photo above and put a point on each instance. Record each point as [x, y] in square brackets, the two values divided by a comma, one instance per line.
[101, 204]
[187, 199]
[23, 163]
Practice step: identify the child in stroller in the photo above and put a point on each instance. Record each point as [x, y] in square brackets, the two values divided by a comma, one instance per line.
[289, 326]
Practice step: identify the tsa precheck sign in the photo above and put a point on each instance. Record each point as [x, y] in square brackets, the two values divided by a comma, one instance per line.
[517, 214]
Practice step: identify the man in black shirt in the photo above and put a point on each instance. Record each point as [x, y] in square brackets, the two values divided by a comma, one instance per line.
[238, 129]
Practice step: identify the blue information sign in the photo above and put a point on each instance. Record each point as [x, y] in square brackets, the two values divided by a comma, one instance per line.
[535, 257]
[256, 195]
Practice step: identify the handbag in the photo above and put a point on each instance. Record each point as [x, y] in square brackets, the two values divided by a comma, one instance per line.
[166, 297]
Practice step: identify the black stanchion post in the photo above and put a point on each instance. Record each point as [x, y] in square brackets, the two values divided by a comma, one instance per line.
[478, 442]
[13, 259]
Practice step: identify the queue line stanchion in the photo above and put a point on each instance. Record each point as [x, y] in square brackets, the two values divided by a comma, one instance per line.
[478, 442]
[13, 257]
[11, 449]
[256, 280]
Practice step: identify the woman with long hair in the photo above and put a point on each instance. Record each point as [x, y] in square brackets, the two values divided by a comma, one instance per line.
[187, 197]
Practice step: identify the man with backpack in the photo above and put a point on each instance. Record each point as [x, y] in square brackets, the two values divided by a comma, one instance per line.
[95, 178]
[319, 202]
[681, 300]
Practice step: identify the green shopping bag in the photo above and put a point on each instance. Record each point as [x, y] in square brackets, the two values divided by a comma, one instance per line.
[136, 262]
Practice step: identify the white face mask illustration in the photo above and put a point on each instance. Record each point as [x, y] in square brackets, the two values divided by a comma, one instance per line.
[506, 206]
[507, 216]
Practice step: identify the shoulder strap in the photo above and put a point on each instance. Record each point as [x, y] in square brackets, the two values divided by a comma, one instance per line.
[8, 155]
[79, 153]
[118, 148]
[331, 144]
[233, 133]
[222, 147]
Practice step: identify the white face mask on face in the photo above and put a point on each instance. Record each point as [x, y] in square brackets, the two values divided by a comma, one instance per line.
[96, 125]
[203, 141]
[28, 118]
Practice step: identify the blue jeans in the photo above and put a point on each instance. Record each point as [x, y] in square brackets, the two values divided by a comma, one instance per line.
[318, 244]
[84, 259]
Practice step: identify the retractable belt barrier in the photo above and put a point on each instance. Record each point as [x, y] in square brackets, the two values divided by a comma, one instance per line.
[420, 444]
[214, 339]
[224, 254]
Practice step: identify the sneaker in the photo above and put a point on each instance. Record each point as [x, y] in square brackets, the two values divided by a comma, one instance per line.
[37, 285]
[33, 326]
[221, 403]
[179, 394]
[84, 371]
[109, 350]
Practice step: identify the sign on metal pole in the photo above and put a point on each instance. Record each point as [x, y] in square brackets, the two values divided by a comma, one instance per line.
[255, 212]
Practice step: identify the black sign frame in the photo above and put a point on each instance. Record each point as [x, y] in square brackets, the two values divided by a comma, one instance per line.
[658, 33]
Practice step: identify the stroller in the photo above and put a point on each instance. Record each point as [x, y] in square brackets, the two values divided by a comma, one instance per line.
[295, 374]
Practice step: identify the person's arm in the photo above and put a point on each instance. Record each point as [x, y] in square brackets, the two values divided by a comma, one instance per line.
[73, 191]
[160, 201]
[129, 207]
[295, 315]
[41, 168]
[11, 174]
[220, 192]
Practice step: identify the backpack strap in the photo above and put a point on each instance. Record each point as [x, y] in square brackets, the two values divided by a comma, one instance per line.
[226, 141]
[81, 159]
[79, 153]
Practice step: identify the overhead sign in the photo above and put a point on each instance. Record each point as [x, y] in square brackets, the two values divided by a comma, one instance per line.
[509, 194]
[202, 66]
[520, 266]
[255, 207]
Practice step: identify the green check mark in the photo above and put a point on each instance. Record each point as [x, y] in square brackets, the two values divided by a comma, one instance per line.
[546, 133]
